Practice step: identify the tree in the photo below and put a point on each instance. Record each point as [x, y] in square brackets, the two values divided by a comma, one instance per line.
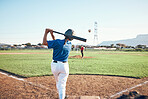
[39, 44]
[141, 46]
[15, 45]
[118, 44]
[121, 45]
[28, 44]
[112, 45]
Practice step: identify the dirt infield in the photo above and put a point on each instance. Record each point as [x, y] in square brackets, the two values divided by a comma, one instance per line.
[77, 85]
[20, 53]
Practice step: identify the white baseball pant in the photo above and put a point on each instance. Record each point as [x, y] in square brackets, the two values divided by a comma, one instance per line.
[60, 71]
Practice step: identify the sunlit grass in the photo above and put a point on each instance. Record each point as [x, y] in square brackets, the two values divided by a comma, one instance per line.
[134, 64]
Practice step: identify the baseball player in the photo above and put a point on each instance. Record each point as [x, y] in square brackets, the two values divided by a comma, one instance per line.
[82, 49]
[59, 64]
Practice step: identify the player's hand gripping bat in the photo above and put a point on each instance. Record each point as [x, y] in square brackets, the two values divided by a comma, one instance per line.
[74, 37]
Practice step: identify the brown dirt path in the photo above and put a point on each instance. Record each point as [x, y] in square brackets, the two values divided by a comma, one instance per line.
[21, 53]
[77, 85]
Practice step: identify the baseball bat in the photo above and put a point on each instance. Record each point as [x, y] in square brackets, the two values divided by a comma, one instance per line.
[74, 37]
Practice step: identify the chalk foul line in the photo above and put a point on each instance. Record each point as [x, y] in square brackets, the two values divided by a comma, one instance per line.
[128, 89]
[21, 79]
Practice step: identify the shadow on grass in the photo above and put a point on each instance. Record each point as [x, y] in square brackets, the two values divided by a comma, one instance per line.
[109, 75]
[20, 76]
[13, 74]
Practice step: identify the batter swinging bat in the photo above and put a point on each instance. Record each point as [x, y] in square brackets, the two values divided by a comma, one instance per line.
[74, 37]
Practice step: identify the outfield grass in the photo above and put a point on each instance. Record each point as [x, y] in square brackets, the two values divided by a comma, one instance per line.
[134, 64]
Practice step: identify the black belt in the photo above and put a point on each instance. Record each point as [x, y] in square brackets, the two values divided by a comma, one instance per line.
[60, 61]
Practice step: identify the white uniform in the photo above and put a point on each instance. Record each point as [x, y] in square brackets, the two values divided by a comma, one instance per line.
[60, 71]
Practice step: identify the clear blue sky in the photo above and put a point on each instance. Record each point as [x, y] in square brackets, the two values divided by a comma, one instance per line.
[23, 21]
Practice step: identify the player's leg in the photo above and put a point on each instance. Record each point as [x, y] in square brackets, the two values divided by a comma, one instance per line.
[55, 71]
[82, 53]
[63, 79]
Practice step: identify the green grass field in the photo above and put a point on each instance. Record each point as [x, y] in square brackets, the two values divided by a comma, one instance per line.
[134, 64]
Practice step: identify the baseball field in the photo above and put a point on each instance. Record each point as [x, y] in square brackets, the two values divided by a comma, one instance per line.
[99, 73]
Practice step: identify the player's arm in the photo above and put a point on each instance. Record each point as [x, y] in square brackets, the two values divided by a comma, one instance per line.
[45, 36]
[51, 32]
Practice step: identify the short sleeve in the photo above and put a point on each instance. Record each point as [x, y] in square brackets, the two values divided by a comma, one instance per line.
[51, 43]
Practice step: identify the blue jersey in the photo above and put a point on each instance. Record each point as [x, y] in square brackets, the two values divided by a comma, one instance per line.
[60, 51]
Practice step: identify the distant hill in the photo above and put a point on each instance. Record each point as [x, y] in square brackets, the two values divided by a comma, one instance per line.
[141, 39]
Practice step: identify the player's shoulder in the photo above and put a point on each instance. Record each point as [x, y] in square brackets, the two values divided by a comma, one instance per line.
[60, 40]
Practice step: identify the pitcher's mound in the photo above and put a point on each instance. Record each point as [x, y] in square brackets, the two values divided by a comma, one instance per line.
[79, 56]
